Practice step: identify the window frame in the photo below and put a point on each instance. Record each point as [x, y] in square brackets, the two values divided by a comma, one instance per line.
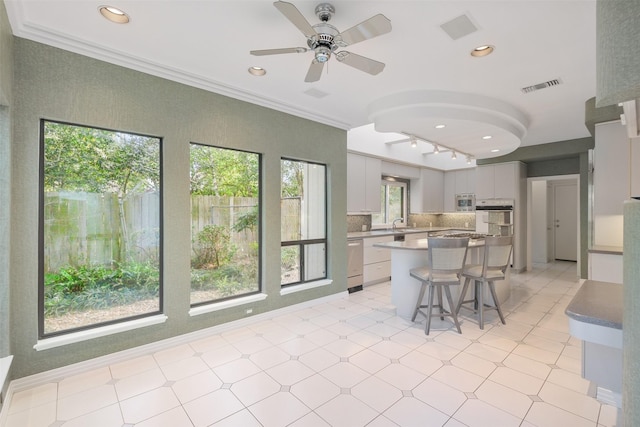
[302, 243]
[387, 182]
[41, 236]
[260, 233]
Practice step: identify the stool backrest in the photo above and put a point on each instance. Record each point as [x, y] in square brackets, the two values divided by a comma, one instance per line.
[497, 253]
[447, 256]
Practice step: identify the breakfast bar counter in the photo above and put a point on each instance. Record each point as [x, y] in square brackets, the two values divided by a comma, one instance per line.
[413, 253]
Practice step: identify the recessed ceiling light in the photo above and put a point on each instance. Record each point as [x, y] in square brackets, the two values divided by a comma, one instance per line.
[487, 137]
[440, 126]
[495, 150]
[114, 14]
[482, 51]
[257, 71]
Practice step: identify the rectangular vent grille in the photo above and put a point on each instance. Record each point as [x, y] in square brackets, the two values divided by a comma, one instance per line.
[550, 83]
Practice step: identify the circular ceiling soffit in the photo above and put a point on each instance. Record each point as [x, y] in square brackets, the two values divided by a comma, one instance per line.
[468, 117]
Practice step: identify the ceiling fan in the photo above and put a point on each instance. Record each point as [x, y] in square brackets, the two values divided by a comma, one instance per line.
[325, 39]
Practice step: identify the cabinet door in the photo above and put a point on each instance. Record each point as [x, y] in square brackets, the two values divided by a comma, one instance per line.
[611, 174]
[449, 196]
[373, 177]
[485, 182]
[363, 183]
[356, 178]
[471, 180]
[505, 181]
[433, 190]
[461, 182]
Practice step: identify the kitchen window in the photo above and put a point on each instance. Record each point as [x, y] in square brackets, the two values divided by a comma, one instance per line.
[303, 226]
[100, 242]
[393, 203]
[225, 223]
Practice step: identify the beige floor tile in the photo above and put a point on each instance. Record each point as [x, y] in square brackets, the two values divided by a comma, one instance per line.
[346, 411]
[255, 388]
[271, 412]
[149, 404]
[412, 412]
[439, 395]
[476, 413]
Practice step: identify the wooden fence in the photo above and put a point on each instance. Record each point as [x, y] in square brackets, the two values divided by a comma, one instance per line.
[98, 229]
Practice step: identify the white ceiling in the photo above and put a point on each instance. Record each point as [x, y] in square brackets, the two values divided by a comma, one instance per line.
[206, 44]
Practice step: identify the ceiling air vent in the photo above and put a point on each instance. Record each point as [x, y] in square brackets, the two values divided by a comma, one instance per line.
[459, 27]
[554, 82]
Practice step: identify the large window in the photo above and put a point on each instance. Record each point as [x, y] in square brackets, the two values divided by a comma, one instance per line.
[393, 203]
[100, 222]
[303, 228]
[225, 223]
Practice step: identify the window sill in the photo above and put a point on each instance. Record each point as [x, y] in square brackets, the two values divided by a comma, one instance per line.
[75, 337]
[209, 308]
[5, 365]
[305, 286]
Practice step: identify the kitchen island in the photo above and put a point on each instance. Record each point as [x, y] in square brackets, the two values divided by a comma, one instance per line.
[413, 253]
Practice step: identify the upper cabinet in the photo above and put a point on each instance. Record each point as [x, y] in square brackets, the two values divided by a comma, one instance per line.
[499, 181]
[611, 174]
[363, 183]
[427, 192]
[458, 182]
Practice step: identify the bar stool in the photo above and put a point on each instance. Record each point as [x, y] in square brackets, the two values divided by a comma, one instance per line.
[497, 252]
[446, 257]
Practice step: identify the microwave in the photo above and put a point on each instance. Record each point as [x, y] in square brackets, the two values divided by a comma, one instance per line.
[465, 202]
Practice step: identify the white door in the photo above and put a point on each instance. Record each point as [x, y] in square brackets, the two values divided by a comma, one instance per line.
[565, 222]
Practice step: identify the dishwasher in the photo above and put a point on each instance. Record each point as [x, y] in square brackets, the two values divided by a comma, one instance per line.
[355, 260]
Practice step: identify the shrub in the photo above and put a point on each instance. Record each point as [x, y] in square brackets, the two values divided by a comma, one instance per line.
[214, 248]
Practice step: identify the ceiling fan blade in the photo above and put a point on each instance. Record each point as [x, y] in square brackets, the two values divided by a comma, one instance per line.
[278, 51]
[360, 62]
[293, 14]
[315, 71]
[372, 27]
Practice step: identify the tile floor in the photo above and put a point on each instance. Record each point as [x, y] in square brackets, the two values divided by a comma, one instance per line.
[349, 362]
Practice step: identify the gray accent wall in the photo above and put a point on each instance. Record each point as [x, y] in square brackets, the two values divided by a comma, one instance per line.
[6, 65]
[59, 85]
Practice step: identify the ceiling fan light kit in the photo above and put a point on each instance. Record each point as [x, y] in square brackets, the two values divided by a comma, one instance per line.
[325, 39]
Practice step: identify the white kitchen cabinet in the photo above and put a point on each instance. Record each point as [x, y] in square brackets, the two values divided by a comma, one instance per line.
[377, 261]
[458, 182]
[611, 174]
[499, 181]
[427, 192]
[364, 175]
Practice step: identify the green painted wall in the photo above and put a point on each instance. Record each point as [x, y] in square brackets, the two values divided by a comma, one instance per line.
[60, 85]
[6, 67]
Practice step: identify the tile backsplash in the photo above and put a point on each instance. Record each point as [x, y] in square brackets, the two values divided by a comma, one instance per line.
[455, 220]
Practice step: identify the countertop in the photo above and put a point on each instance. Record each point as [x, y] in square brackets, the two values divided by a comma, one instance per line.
[421, 244]
[601, 249]
[388, 232]
[597, 303]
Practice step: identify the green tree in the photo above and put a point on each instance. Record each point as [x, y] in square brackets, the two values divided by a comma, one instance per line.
[223, 172]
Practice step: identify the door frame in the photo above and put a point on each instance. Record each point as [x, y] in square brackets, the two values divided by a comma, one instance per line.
[530, 216]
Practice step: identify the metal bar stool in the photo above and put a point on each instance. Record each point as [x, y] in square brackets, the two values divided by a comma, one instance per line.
[497, 252]
[446, 257]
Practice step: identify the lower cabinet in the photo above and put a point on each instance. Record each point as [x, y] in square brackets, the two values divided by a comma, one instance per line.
[377, 261]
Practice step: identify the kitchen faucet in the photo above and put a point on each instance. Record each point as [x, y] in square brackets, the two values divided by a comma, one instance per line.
[393, 224]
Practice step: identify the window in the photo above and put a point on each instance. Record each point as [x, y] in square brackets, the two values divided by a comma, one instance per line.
[225, 223]
[303, 222]
[100, 227]
[393, 200]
